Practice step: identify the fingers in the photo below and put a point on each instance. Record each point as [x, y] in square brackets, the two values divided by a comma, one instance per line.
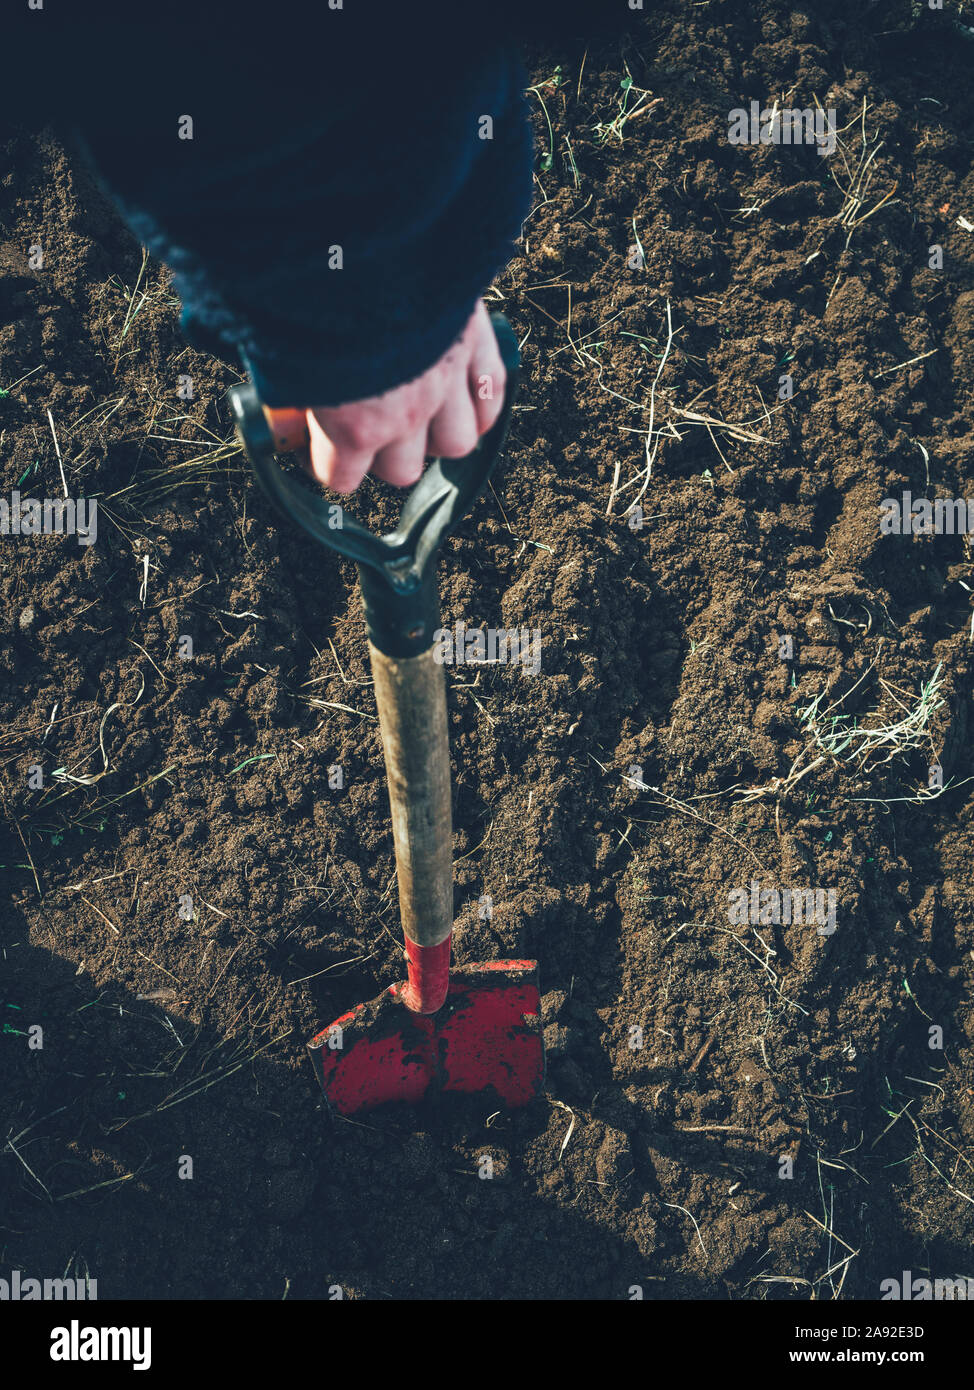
[337, 463]
[487, 380]
[443, 413]
[401, 463]
[476, 396]
[453, 429]
[487, 376]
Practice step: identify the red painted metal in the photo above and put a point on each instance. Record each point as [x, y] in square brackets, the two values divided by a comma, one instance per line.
[487, 1037]
[429, 976]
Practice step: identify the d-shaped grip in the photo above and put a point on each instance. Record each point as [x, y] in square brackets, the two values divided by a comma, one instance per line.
[395, 570]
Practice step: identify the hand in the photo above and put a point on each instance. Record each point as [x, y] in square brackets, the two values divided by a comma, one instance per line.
[442, 413]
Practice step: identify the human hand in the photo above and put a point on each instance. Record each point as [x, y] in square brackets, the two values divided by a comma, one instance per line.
[442, 413]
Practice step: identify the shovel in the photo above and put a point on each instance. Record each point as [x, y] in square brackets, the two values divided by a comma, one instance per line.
[476, 1028]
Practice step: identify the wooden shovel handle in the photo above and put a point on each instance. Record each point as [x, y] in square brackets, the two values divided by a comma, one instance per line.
[289, 429]
[411, 695]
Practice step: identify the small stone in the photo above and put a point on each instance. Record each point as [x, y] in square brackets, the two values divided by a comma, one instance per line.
[26, 619]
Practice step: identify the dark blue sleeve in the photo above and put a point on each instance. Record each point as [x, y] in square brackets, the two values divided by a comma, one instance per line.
[333, 182]
[346, 189]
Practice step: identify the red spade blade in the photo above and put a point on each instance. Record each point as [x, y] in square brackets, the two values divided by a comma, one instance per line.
[486, 1037]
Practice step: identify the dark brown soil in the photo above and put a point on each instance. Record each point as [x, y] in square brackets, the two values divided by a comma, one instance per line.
[659, 1166]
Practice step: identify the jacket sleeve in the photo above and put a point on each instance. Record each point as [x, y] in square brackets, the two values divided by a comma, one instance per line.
[330, 206]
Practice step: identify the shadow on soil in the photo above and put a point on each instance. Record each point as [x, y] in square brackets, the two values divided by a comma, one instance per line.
[127, 1097]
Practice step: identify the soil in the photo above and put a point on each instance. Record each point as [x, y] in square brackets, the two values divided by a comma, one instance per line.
[733, 1111]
